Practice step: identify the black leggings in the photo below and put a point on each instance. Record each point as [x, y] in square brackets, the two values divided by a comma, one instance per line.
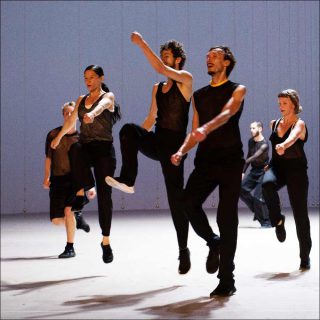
[297, 183]
[159, 146]
[202, 182]
[101, 156]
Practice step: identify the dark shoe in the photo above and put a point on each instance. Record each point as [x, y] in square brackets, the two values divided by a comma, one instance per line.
[81, 223]
[118, 184]
[107, 255]
[305, 264]
[79, 203]
[213, 259]
[223, 290]
[281, 231]
[185, 264]
[67, 253]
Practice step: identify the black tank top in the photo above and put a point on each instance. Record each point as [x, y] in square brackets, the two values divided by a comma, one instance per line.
[100, 129]
[173, 109]
[223, 144]
[294, 156]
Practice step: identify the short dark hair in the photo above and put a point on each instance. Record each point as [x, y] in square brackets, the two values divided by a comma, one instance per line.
[228, 55]
[177, 50]
[293, 96]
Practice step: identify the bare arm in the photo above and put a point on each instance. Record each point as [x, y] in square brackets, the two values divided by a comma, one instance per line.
[181, 76]
[150, 120]
[67, 125]
[296, 133]
[189, 141]
[47, 170]
[230, 109]
[107, 102]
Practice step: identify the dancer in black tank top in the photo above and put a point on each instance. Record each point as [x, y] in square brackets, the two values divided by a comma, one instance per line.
[288, 166]
[218, 162]
[169, 113]
[258, 158]
[97, 112]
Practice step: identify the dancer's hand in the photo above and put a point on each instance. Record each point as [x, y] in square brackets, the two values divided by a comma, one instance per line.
[176, 158]
[136, 37]
[91, 194]
[88, 118]
[199, 134]
[266, 168]
[46, 183]
[55, 142]
[280, 149]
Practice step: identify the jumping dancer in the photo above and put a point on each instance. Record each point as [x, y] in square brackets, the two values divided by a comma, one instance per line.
[97, 112]
[169, 113]
[288, 166]
[218, 162]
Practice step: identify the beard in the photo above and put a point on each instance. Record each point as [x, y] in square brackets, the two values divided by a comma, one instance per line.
[255, 134]
[211, 73]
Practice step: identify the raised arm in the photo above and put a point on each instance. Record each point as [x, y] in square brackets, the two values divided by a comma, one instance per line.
[150, 119]
[107, 102]
[298, 132]
[189, 142]
[181, 76]
[230, 109]
[67, 125]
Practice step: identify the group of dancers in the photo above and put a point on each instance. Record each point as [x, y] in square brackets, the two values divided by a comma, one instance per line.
[219, 159]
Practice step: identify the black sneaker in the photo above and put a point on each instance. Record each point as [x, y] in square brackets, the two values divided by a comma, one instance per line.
[213, 259]
[81, 223]
[118, 184]
[305, 264]
[67, 253]
[281, 231]
[223, 290]
[185, 264]
[107, 255]
[79, 203]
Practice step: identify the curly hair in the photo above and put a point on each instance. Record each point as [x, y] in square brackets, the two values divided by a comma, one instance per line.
[176, 49]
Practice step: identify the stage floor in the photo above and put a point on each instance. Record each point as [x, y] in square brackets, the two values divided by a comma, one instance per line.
[142, 282]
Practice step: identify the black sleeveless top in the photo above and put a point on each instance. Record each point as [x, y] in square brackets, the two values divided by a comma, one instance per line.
[223, 144]
[294, 156]
[100, 129]
[173, 109]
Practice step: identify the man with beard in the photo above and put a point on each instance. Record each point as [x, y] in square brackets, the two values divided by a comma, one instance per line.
[218, 162]
[258, 158]
[169, 113]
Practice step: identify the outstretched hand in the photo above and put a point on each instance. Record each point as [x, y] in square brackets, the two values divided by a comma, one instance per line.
[88, 118]
[91, 193]
[136, 37]
[54, 143]
[280, 149]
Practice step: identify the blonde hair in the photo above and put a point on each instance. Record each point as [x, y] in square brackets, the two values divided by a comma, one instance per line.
[294, 97]
[68, 104]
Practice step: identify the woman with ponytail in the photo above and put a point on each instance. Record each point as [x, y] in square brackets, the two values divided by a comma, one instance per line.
[97, 112]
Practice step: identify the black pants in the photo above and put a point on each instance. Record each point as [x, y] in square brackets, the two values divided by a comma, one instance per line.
[101, 156]
[159, 146]
[255, 202]
[202, 182]
[297, 183]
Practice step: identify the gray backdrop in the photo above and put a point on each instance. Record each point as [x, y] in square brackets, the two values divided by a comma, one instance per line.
[45, 47]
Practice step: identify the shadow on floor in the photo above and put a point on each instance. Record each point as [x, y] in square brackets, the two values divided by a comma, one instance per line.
[30, 286]
[281, 276]
[194, 308]
[28, 258]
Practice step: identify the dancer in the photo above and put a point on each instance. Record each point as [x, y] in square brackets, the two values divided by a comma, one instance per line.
[258, 158]
[58, 179]
[97, 112]
[288, 167]
[169, 113]
[218, 162]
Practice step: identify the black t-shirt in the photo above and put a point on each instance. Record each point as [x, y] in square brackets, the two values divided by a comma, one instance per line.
[60, 164]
